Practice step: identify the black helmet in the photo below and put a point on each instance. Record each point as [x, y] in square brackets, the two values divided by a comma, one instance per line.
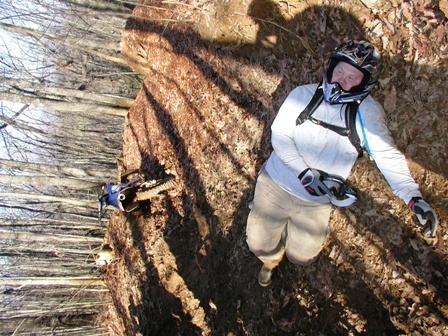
[363, 56]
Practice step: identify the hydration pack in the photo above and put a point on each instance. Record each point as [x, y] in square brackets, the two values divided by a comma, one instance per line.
[350, 119]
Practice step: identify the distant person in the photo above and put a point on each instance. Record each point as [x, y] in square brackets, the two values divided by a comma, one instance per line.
[317, 135]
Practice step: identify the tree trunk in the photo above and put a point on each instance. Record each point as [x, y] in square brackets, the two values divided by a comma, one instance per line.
[29, 237]
[51, 281]
[49, 181]
[61, 106]
[64, 94]
[56, 170]
[86, 46]
[101, 6]
[46, 198]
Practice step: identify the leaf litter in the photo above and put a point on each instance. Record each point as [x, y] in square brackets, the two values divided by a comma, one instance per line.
[211, 88]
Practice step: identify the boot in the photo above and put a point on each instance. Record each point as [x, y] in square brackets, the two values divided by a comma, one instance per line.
[264, 277]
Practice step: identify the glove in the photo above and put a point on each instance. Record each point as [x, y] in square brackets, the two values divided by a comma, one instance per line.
[425, 215]
[312, 181]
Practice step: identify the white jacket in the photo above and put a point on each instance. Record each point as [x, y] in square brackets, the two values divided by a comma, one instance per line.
[312, 146]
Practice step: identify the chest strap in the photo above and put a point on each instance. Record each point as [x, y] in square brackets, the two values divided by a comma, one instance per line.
[351, 110]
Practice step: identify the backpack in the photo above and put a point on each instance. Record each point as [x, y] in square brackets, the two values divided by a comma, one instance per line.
[350, 119]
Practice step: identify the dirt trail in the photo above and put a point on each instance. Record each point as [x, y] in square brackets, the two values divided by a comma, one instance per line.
[214, 75]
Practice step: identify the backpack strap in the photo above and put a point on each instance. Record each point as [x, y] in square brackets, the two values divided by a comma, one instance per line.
[351, 111]
[350, 120]
[317, 99]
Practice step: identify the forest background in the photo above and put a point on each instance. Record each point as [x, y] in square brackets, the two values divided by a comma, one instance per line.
[64, 94]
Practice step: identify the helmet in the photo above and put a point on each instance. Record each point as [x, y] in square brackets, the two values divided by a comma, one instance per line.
[363, 56]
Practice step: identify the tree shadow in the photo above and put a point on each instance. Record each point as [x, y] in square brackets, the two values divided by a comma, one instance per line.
[160, 312]
[217, 265]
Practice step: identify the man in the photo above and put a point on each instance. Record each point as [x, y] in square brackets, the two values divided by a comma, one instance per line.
[314, 152]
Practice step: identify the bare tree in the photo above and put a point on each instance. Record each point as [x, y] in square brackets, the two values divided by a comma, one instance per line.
[64, 90]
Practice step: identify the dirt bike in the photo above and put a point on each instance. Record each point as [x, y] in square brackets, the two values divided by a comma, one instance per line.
[126, 196]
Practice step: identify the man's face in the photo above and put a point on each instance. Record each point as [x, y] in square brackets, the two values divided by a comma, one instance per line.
[346, 75]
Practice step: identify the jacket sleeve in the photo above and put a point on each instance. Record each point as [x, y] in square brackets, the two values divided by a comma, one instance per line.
[381, 147]
[282, 133]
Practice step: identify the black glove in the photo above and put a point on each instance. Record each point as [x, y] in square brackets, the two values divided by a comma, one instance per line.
[425, 215]
[312, 181]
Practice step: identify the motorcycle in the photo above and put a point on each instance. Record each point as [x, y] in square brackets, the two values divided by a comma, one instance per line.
[126, 196]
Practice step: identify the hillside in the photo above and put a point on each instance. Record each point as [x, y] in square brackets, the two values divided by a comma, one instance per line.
[214, 74]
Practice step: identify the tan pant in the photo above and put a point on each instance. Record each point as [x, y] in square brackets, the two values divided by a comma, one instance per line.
[280, 223]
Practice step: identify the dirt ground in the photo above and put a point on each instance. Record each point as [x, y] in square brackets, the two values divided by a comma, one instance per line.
[214, 74]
